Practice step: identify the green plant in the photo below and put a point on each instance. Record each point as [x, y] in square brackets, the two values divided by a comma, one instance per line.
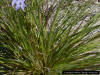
[45, 40]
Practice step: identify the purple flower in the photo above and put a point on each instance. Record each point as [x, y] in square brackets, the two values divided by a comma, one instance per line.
[19, 4]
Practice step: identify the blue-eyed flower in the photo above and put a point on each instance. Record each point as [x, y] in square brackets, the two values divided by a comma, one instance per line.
[19, 4]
